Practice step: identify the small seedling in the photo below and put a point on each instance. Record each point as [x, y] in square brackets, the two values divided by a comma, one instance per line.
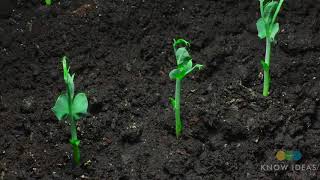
[48, 2]
[184, 62]
[268, 28]
[71, 107]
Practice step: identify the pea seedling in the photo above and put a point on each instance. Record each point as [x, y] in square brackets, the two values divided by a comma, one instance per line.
[268, 28]
[71, 107]
[184, 62]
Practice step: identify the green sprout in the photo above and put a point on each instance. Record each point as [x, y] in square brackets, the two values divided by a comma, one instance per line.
[48, 2]
[268, 28]
[184, 62]
[71, 107]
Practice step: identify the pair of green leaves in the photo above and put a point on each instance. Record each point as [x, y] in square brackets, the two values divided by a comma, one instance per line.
[266, 25]
[68, 105]
[184, 60]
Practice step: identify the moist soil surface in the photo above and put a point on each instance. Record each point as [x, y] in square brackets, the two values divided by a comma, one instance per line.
[121, 53]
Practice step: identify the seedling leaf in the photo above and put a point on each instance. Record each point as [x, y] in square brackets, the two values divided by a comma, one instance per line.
[188, 65]
[261, 26]
[65, 69]
[269, 9]
[79, 106]
[274, 31]
[61, 108]
[182, 56]
[180, 42]
[175, 74]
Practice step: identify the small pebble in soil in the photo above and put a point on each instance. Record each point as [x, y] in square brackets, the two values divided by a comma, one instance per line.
[131, 132]
[28, 105]
[88, 163]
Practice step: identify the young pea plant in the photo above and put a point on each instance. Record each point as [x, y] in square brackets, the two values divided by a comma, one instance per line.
[268, 28]
[71, 107]
[184, 63]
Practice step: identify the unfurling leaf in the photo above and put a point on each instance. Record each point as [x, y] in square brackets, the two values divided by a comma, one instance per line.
[182, 56]
[65, 69]
[269, 9]
[274, 31]
[79, 106]
[261, 26]
[61, 108]
[180, 42]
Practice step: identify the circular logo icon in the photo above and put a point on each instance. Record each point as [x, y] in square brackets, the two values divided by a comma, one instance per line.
[281, 155]
[297, 155]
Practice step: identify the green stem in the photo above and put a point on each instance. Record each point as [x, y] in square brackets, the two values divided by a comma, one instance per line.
[266, 76]
[75, 142]
[277, 12]
[74, 139]
[177, 107]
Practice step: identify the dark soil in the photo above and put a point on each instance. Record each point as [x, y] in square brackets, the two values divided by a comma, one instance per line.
[121, 52]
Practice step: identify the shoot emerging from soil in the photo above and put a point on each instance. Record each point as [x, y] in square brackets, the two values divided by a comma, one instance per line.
[268, 28]
[71, 107]
[184, 63]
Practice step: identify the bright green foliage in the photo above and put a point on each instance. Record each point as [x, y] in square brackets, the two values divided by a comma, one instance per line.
[184, 63]
[184, 60]
[48, 2]
[71, 107]
[268, 28]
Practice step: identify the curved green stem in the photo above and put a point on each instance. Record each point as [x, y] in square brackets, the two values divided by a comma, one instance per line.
[266, 76]
[177, 107]
[277, 12]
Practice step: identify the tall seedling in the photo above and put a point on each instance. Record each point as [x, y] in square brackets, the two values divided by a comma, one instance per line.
[268, 28]
[184, 63]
